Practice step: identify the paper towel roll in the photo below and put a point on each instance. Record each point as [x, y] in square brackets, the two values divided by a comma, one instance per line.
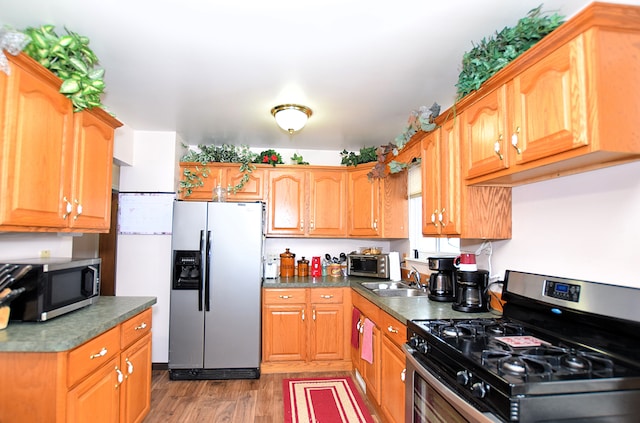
[394, 266]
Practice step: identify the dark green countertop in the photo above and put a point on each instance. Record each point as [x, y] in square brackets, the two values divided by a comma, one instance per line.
[402, 308]
[70, 330]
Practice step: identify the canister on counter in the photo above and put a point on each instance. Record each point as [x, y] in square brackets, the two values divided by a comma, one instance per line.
[303, 267]
[287, 264]
[335, 270]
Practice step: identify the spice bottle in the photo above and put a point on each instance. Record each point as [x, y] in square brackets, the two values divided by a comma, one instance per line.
[303, 267]
[287, 264]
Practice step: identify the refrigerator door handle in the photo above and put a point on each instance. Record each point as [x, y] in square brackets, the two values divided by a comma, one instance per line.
[200, 282]
[207, 302]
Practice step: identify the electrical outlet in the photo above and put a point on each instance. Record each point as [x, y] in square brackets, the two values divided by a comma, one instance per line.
[45, 253]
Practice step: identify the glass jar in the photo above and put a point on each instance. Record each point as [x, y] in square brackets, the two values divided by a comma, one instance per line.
[219, 194]
[303, 267]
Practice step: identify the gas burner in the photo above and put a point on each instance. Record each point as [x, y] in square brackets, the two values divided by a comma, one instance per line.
[525, 367]
[504, 329]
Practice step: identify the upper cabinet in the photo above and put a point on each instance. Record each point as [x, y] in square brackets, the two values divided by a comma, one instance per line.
[225, 175]
[364, 204]
[307, 202]
[564, 106]
[55, 167]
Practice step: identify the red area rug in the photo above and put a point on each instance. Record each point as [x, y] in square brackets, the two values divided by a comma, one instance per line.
[323, 400]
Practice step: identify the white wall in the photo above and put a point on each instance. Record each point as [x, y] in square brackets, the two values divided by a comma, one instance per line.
[584, 226]
[143, 263]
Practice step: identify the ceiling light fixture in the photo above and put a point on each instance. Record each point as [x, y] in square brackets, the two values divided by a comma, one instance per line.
[291, 117]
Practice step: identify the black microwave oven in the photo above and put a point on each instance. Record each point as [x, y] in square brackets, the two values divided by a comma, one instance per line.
[53, 286]
[368, 265]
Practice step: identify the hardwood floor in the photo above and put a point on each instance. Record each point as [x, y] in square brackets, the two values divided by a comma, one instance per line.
[224, 401]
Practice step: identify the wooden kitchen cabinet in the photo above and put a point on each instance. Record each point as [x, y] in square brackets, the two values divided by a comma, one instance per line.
[304, 329]
[55, 171]
[393, 369]
[370, 372]
[225, 175]
[560, 108]
[307, 202]
[364, 204]
[106, 379]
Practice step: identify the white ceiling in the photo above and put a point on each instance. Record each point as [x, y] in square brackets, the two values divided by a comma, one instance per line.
[212, 70]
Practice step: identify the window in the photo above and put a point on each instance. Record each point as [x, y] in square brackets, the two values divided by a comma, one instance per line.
[426, 246]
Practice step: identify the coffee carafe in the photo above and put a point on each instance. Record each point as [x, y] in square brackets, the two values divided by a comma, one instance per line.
[442, 281]
[470, 291]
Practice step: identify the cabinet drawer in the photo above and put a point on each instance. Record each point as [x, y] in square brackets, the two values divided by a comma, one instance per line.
[326, 295]
[284, 296]
[135, 328]
[366, 307]
[393, 329]
[92, 354]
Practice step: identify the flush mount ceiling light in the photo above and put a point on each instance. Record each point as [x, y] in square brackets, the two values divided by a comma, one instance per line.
[291, 117]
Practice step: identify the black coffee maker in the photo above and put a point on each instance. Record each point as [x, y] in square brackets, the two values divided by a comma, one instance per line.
[442, 281]
[471, 291]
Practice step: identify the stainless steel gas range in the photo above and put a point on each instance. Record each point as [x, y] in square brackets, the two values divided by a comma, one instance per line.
[563, 351]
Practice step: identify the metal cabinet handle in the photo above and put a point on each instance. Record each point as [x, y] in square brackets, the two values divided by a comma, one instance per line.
[303, 314]
[441, 217]
[78, 210]
[497, 146]
[68, 208]
[102, 353]
[433, 218]
[314, 314]
[142, 326]
[375, 224]
[311, 224]
[286, 297]
[129, 365]
[391, 329]
[302, 225]
[120, 377]
[514, 140]
[326, 297]
[359, 326]
[403, 375]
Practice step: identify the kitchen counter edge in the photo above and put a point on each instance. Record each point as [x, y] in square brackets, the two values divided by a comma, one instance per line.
[402, 309]
[71, 330]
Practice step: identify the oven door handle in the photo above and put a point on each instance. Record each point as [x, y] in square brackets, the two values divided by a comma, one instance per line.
[463, 407]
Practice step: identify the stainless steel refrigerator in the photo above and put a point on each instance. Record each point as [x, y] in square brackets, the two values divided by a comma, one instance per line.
[215, 320]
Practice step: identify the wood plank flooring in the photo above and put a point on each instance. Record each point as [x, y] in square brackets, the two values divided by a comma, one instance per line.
[224, 401]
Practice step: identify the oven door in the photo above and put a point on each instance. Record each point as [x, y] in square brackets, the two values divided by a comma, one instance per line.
[427, 399]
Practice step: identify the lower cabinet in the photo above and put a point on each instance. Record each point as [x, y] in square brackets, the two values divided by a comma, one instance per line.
[384, 377]
[305, 329]
[106, 379]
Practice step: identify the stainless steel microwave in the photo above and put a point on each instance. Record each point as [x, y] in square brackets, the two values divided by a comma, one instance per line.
[368, 265]
[53, 286]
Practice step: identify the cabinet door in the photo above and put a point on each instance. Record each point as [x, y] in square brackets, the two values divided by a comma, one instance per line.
[135, 363]
[431, 186]
[483, 135]
[395, 205]
[96, 399]
[327, 203]
[364, 204]
[93, 161]
[555, 85]
[392, 384]
[327, 335]
[450, 181]
[284, 332]
[286, 203]
[188, 170]
[252, 190]
[36, 157]
[371, 371]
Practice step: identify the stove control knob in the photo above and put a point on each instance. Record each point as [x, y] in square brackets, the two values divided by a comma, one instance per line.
[463, 377]
[424, 348]
[415, 341]
[479, 389]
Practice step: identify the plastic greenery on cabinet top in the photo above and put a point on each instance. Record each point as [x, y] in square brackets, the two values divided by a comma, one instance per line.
[269, 157]
[494, 53]
[367, 154]
[69, 57]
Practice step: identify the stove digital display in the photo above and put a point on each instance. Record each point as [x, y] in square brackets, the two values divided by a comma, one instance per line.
[562, 291]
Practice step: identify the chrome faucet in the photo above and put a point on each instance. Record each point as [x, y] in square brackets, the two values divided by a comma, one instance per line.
[416, 277]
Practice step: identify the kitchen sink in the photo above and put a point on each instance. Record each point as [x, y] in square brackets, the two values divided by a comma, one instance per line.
[385, 285]
[400, 292]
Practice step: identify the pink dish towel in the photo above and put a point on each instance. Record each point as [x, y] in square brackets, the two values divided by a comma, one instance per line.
[367, 341]
[355, 333]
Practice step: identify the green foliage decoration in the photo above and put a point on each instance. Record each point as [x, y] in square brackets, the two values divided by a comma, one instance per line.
[225, 153]
[69, 57]
[270, 156]
[299, 160]
[494, 53]
[366, 155]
